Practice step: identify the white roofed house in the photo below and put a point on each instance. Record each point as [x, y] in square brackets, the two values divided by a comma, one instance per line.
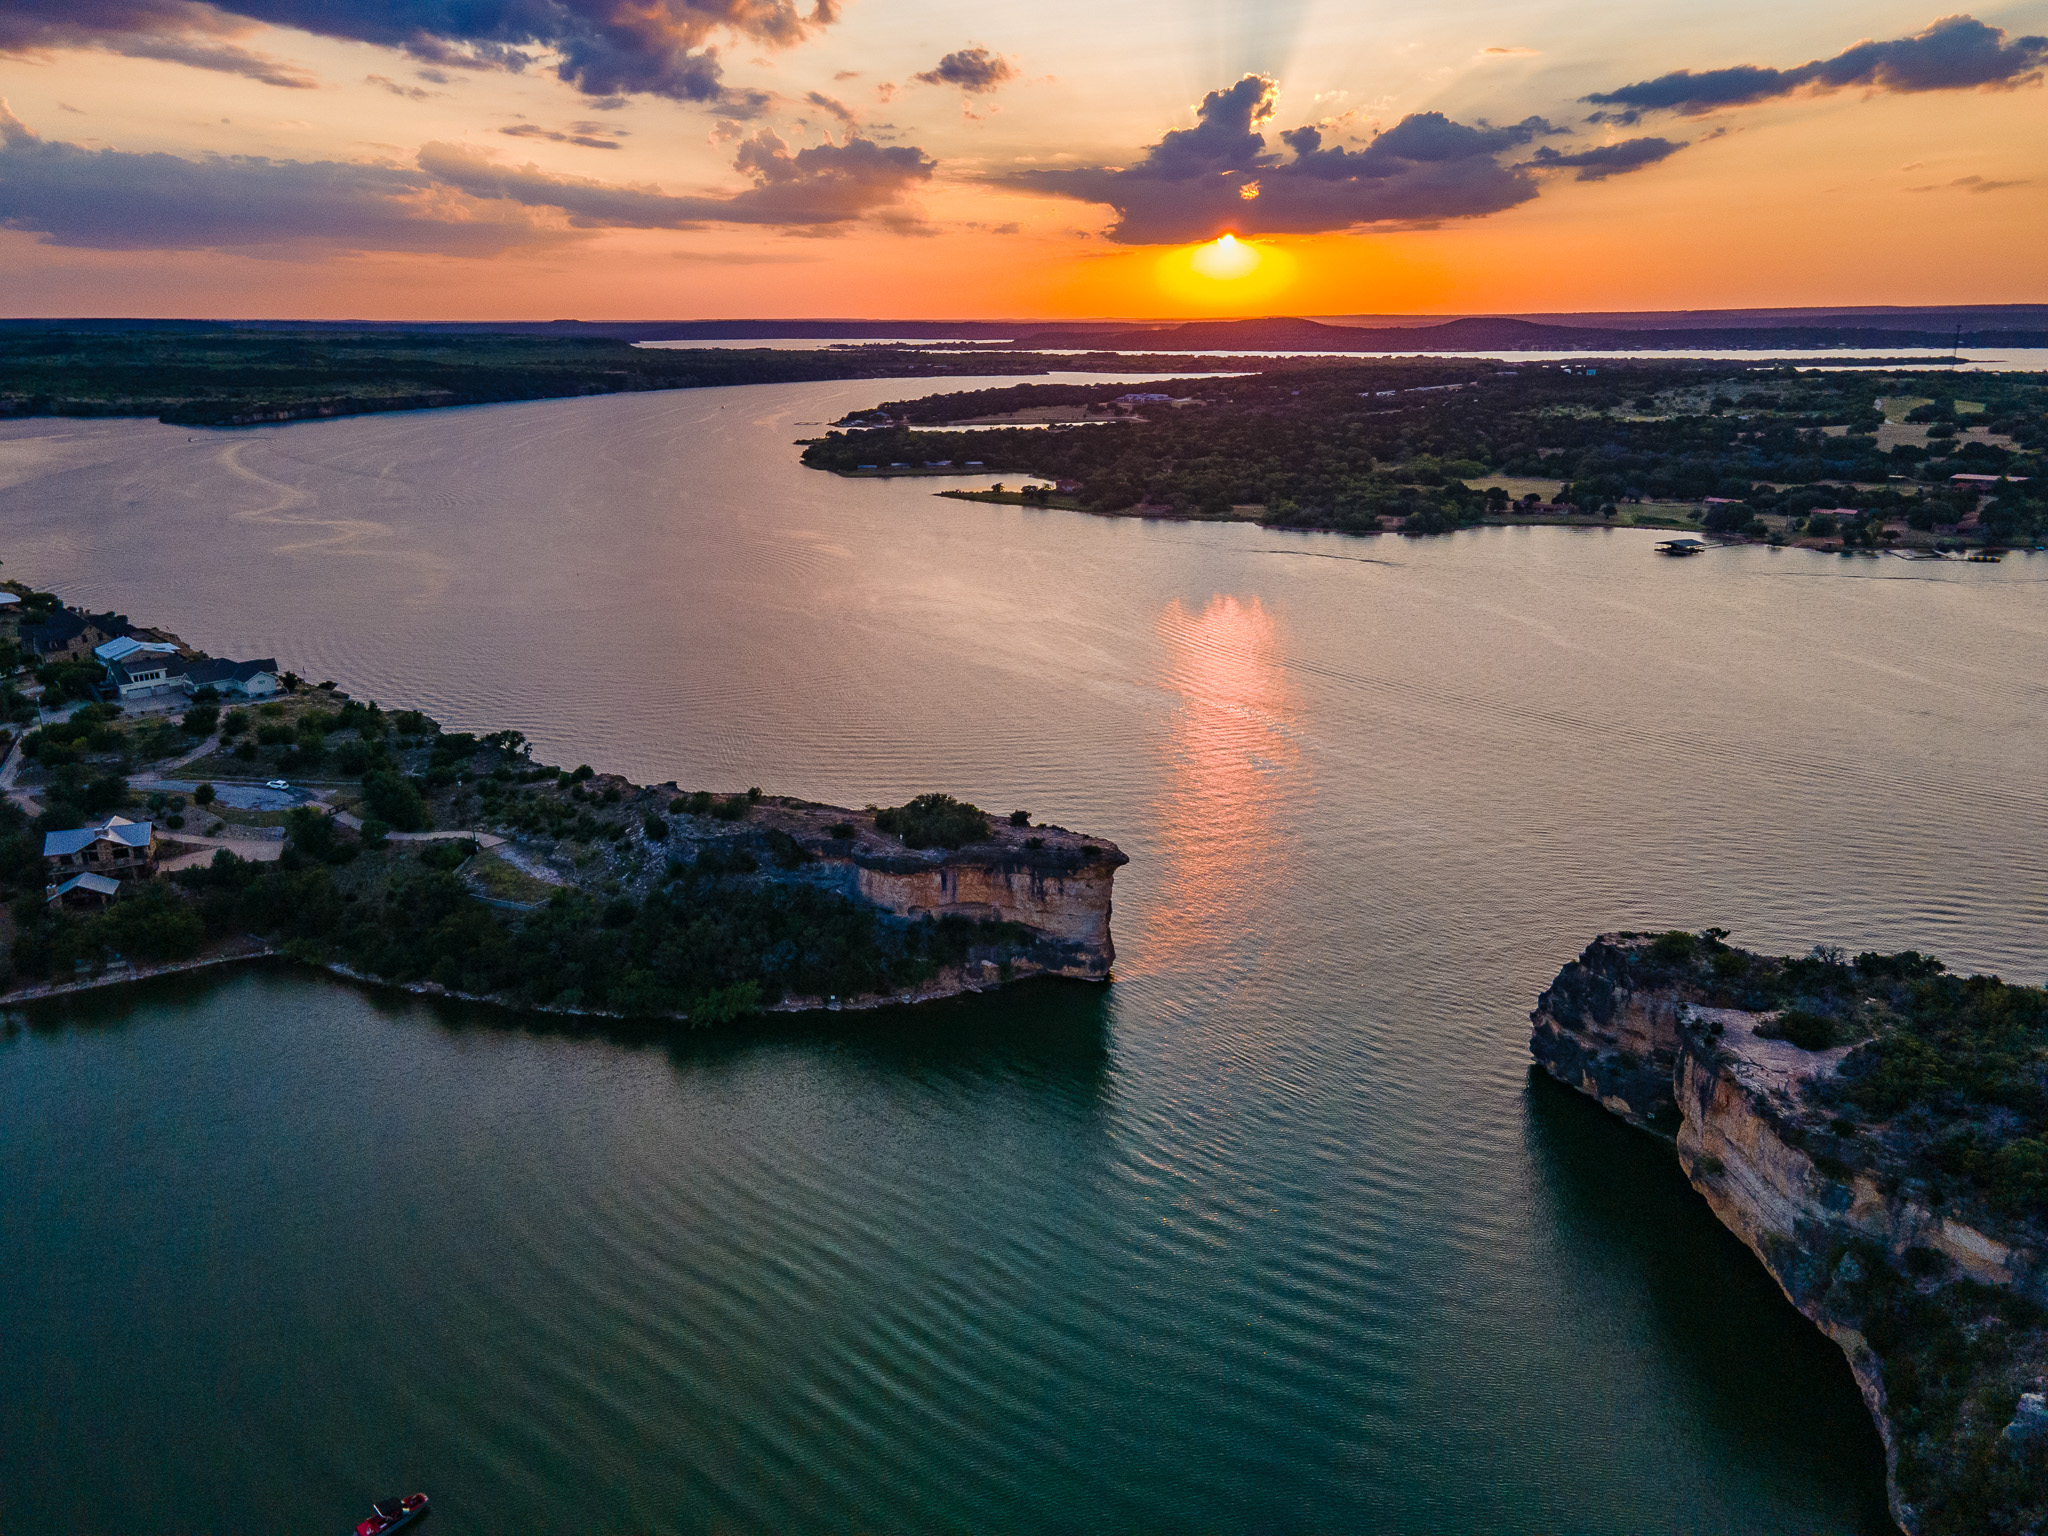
[141, 669]
[117, 847]
[242, 679]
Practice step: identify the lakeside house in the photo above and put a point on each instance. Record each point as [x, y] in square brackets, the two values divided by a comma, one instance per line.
[67, 635]
[87, 890]
[145, 669]
[139, 669]
[241, 679]
[116, 847]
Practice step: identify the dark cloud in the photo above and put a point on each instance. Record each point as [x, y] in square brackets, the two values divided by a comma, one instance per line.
[105, 199]
[602, 47]
[1607, 160]
[174, 31]
[823, 185]
[455, 200]
[1956, 53]
[1220, 175]
[838, 109]
[974, 70]
[584, 134]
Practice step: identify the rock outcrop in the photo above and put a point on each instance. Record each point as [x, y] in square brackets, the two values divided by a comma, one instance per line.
[1933, 1293]
[1052, 884]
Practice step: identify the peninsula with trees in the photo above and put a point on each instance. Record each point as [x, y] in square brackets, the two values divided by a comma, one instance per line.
[164, 823]
[1858, 459]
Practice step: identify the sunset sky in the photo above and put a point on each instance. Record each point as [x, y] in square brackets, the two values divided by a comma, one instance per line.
[613, 159]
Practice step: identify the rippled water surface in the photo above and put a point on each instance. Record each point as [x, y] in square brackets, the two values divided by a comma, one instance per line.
[1274, 1232]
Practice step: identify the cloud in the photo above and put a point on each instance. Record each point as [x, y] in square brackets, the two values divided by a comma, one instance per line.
[974, 70]
[1970, 184]
[397, 88]
[1510, 53]
[601, 47]
[838, 109]
[1192, 184]
[456, 200]
[106, 199]
[820, 186]
[172, 31]
[1607, 160]
[1956, 53]
[585, 134]
[747, 258]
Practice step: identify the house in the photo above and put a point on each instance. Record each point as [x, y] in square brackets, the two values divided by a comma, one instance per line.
[70, 636]
[118, 847]
[9, 601]
[85, 891]
[140, 669]
[241, 679]
[1985, 482]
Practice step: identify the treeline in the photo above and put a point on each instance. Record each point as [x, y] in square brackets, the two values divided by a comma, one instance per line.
[1348, 446]
[235, 378]
[704, 944]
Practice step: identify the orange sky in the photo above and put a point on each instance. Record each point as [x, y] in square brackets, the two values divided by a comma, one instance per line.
[486, 193]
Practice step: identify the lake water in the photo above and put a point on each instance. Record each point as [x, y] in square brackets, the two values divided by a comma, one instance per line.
[1274, 1232]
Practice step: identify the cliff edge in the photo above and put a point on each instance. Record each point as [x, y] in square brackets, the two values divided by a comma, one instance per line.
[1873, 1131]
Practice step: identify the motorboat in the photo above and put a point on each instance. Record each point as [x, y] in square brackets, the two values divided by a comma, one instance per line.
[394, 1515]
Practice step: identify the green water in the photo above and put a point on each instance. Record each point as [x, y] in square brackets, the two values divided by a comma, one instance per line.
[295, 1244]
[1275, 1232]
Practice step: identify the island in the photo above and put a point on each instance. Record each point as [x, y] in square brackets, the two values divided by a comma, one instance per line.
[1875, 1129]
[1861, 460]
[165, 810]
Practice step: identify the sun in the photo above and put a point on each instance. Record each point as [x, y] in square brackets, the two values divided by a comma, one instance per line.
[1225, 273]
[1226, 258]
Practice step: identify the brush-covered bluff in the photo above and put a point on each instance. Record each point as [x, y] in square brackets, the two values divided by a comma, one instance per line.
[1876, 1130]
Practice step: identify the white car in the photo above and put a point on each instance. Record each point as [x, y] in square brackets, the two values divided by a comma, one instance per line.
[279, 784]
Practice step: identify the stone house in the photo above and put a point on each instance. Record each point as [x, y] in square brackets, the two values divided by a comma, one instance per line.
[123, 849]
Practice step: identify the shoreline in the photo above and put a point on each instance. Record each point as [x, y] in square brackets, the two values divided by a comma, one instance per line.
[1583, 522]
[952, 982]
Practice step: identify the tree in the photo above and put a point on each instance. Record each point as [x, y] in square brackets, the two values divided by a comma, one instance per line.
[393, 798]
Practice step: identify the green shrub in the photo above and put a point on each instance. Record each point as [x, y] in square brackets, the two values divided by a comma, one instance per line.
[1675, 948]
[393, 798]
[1806, 1029]
[448, 853]
[935, 821]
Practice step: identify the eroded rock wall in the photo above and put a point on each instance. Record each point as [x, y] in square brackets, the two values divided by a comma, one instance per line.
[1737, 1107]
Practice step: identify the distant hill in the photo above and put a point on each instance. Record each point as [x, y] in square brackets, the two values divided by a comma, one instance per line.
[1504, 334]
[1991, 325]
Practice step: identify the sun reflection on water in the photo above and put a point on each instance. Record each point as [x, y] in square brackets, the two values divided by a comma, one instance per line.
[1231, 758]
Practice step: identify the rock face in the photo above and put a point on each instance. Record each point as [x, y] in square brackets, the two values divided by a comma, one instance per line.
[1844, 1223]
[1050, 881]
[1060, 892]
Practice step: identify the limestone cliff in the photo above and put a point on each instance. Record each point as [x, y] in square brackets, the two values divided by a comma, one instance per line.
[1051, 885]
[1932, 1289]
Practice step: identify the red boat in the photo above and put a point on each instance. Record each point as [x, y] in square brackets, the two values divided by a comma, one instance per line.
[394, 1515]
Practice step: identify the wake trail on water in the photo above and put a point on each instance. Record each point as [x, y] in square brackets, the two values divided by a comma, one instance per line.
[326, 535]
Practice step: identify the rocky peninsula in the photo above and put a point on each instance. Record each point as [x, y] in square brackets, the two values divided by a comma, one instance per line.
[378, 844]
[1873, 1130]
